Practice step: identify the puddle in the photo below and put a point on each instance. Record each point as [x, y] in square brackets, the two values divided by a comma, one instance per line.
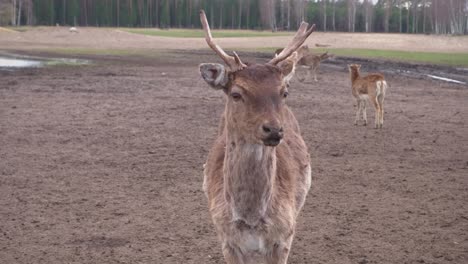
[18, 63]
[11, 61]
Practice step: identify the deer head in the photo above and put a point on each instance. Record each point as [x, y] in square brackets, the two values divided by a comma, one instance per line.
[354, 70]
[255, 93]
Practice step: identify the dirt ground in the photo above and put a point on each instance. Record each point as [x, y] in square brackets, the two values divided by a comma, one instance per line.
[113, 38]
[103, 164]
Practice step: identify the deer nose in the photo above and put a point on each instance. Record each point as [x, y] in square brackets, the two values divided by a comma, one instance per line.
[272, 134]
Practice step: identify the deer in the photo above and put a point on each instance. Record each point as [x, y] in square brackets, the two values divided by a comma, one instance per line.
[372, 87]
[257, 174]
[293, 60]
[312, 62]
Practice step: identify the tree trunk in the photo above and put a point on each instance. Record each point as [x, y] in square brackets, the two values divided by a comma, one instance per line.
[399, 9]
[387, 13]
[415, 16]
[232, 18]
[351, 15]
[366, 6]
[324, 15]
[19, 13]
[240, 15]
[407, 21]
[13, 13]
[333, 15]
[289, 15]
[248, 14]
[354, 16]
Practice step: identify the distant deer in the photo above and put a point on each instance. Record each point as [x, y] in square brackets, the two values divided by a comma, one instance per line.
[258, 173]
[73, 30]
[312, 62]
[372, 87]
[292, 61]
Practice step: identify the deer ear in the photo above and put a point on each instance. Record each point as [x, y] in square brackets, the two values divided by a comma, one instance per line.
[286, 66]
[215, 75]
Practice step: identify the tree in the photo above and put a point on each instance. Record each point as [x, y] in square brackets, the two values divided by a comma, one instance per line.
[324, 3]
[333, 15]
[351, 15]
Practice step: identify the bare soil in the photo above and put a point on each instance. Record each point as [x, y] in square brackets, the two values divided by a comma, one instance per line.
[114, 38]
[103, 164]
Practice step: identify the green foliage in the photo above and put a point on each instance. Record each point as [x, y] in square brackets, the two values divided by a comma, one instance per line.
[227, 14]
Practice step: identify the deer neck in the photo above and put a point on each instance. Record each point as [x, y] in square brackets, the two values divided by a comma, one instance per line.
[249, 175]
[354, 76]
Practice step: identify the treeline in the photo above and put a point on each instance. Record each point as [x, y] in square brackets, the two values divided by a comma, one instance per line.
[405, 16]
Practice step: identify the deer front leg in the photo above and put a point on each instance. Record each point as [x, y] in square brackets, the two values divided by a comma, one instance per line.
[358, 111]
[232, 255]
[315, 73]
[280, 252]
[364, 112]
[300, 75]
[381, 115]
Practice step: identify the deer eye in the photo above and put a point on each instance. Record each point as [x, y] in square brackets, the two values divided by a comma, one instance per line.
[236, 96]
[285, 94]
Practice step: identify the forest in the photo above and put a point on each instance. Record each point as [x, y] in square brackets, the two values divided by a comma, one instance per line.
[402, 16]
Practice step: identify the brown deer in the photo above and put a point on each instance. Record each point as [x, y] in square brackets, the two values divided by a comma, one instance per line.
[372, 87]
[258, 173]
[291, 61]
[312, 62]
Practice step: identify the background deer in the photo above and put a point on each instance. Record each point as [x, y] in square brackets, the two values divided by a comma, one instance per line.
[312, 62]
[257, 174]
[291, 61]
[372, 87]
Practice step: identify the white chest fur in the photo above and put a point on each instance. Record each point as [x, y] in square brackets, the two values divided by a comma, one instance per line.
[252, 242]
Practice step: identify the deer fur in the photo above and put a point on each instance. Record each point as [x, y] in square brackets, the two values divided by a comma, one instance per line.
[372, 87]
[312, 63]
[292, 61]
[257, 173]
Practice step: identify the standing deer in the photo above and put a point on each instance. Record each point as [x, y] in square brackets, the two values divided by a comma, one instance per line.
[312, 62]
[372, 87]
[292, 61]
[258, 173]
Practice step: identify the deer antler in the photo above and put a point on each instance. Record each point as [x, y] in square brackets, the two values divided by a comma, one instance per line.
[301, 35]
[233, 62]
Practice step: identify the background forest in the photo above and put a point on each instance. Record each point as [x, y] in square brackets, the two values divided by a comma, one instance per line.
[406, 16]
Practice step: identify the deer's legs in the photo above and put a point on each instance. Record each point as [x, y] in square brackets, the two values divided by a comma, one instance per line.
[300, 75]
[358, 112]
[364, 111]
[308, 73]
[381, 115]
[381, 100]
[315, 73]
[377, 111]
[232, 255]
[280, 252]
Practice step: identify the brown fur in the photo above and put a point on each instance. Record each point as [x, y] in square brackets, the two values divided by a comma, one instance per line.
[373, 85]
[313, 61]
[255, 192]
[257, 174]
[291, 62]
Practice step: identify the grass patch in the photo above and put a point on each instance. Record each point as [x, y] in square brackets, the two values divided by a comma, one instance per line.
[196, 33]
[19, 29]
[437, 58]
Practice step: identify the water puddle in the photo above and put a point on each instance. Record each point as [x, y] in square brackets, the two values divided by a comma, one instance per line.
[12, 61]
[18, 63]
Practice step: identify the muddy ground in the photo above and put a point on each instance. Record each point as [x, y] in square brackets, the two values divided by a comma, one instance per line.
[103, 164]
